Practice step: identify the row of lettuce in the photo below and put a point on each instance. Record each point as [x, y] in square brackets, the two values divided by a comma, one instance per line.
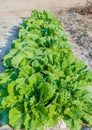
[43, 80]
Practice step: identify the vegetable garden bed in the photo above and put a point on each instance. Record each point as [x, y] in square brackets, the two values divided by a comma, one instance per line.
[43, 80]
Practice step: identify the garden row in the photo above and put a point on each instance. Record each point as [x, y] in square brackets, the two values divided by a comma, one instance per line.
[43, 80]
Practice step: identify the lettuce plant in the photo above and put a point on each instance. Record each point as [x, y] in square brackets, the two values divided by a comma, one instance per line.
[43, 80]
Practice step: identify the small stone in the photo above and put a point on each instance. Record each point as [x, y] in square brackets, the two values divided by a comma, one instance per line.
[62, 124]
[6, 127]
[90, 53]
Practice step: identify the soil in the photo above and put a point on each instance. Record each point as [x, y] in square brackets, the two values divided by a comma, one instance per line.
[76, 17]
[84, 10]
[79, 29]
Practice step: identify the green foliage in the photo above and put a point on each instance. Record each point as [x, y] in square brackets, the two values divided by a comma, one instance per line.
[43, 80]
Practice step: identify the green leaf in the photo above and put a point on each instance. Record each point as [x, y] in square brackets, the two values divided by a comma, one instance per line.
[15, 118]
[27, 121]
[87, 119]
[4, 116]
[17, 59]
[26, 71]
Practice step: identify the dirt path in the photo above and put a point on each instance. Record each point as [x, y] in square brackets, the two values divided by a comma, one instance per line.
[13, 6]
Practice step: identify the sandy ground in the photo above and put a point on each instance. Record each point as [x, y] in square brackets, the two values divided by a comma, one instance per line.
[12, 12]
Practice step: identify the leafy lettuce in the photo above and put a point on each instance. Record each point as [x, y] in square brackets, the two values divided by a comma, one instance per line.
[43, 80]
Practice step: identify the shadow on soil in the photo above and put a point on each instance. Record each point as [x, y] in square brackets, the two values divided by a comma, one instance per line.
[13, 34]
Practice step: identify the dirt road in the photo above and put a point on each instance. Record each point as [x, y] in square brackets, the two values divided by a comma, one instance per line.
[25, 6]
